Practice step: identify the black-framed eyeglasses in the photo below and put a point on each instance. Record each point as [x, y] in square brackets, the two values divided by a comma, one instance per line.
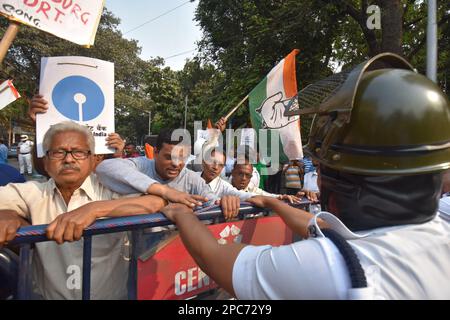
[62, 154]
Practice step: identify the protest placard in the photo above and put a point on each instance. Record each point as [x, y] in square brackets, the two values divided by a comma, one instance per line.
[73, 20]
[79, 89]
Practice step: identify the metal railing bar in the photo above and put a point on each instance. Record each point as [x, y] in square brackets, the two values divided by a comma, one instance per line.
[36, 233]
[23, 290]
[87, 250]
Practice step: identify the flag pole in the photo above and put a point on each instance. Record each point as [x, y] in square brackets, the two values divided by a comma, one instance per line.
[235, 108]
[7, 39]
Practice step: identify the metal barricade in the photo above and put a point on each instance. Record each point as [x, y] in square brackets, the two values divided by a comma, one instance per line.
[29, 235]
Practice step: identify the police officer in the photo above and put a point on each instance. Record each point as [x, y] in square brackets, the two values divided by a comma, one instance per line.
[382, 138]
[25, 147]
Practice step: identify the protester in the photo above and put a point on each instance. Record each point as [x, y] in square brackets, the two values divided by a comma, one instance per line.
[40, 105]
[70, 201]
[3, 152]
[9, 174]
[294, 176]
[308, 164]
[310, 179]
[130, 151]
[24, 148]
[383, 193]
[165, 176]
[213, 165]
[241, 177]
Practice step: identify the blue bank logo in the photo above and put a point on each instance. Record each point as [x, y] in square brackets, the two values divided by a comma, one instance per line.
[78, 98]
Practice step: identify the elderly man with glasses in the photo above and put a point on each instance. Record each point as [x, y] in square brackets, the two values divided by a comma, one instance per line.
[69, 202]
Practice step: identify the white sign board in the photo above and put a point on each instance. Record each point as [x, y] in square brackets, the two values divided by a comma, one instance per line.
[81, 90]
[8, 94]
[73, 20]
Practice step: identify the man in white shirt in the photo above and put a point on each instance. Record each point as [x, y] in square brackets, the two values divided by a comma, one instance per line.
[24, 154]
[70, 201]
[212, 166]
[382, 187]
[241, 180]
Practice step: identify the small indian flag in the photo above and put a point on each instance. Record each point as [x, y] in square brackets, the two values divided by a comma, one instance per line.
[8, 93]
[268, 101]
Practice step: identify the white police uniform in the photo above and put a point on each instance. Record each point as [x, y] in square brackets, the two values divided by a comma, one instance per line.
[24, 156]
[401, 262]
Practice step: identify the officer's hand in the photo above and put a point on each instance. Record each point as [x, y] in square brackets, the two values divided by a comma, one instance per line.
[230, 206]
[37, 105]
[259, 201]
[174, 209]
[69, 226]
[310, 195]
[290, 198]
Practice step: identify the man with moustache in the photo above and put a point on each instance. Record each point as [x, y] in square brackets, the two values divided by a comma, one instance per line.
[69, 202]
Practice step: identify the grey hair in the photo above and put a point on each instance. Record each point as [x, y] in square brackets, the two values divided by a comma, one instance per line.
[64, 127]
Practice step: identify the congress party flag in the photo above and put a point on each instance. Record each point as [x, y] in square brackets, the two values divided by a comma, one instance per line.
[268, 101]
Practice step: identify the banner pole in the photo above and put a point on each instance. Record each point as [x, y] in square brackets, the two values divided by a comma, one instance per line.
[235, 108]
[7, 39]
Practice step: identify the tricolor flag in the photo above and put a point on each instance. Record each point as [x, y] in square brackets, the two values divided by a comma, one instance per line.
[8, 93]
[268, 101]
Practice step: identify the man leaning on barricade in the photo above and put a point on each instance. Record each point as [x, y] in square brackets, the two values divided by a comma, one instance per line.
[69, 201]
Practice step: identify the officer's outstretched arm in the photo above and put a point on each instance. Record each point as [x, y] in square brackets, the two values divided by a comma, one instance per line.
[214, 259]
[296, 219]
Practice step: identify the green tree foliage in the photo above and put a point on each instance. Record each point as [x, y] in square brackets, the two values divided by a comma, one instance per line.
[22, 64]
[245, 38]
[242, 41]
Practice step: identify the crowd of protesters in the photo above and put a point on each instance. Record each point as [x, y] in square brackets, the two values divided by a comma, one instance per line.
[396, 209]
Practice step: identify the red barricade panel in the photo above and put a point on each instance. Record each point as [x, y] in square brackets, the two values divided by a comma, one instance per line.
[171, 273]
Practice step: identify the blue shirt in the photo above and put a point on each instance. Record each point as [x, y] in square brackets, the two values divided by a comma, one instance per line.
[9, 174]
[3, 153]
[133, 175]
[309, 167]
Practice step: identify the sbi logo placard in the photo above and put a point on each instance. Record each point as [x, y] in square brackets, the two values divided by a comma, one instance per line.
[78, 98]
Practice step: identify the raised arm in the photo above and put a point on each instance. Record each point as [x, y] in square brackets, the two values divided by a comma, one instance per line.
[125, 176]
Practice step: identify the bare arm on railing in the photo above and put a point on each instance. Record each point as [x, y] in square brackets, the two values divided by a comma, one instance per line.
[126, 176]
[69, 226]
[10, 221]
[296, 219]
[218, 260]
[214, 259]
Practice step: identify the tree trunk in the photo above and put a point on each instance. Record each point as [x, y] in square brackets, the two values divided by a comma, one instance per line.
[392, 26]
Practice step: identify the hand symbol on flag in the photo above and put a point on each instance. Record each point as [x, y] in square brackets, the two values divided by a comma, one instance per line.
[272, 112]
